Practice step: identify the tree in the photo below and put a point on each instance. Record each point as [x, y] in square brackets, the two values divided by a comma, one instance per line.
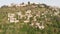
[22, 3]
[4, 6]
[28, 3]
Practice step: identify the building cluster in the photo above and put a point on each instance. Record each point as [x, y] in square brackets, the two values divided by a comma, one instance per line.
[11, 18]
[26, 4]
[35, 18]
[32, 17]
[29, 17]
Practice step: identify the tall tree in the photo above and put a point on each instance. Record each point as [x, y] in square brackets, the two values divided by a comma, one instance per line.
[28, 3]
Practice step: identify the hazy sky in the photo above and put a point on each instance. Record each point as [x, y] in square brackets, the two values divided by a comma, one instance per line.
[48, 2]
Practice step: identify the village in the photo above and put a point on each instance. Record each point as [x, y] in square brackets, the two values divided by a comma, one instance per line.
[25, 18]
[32, 17]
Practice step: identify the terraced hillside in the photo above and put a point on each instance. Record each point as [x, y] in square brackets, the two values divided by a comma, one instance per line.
[32, 19]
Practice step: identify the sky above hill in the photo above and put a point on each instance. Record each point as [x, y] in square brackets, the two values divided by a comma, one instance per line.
[48, 2]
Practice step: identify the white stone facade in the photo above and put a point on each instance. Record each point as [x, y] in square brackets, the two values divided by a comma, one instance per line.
[11, 18]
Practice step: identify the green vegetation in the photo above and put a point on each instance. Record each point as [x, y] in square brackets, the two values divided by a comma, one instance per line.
[52, 22]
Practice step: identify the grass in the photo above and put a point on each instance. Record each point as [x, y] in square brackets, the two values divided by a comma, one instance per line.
[21, 28]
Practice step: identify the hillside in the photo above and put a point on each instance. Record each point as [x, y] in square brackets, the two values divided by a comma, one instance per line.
[31, 19]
